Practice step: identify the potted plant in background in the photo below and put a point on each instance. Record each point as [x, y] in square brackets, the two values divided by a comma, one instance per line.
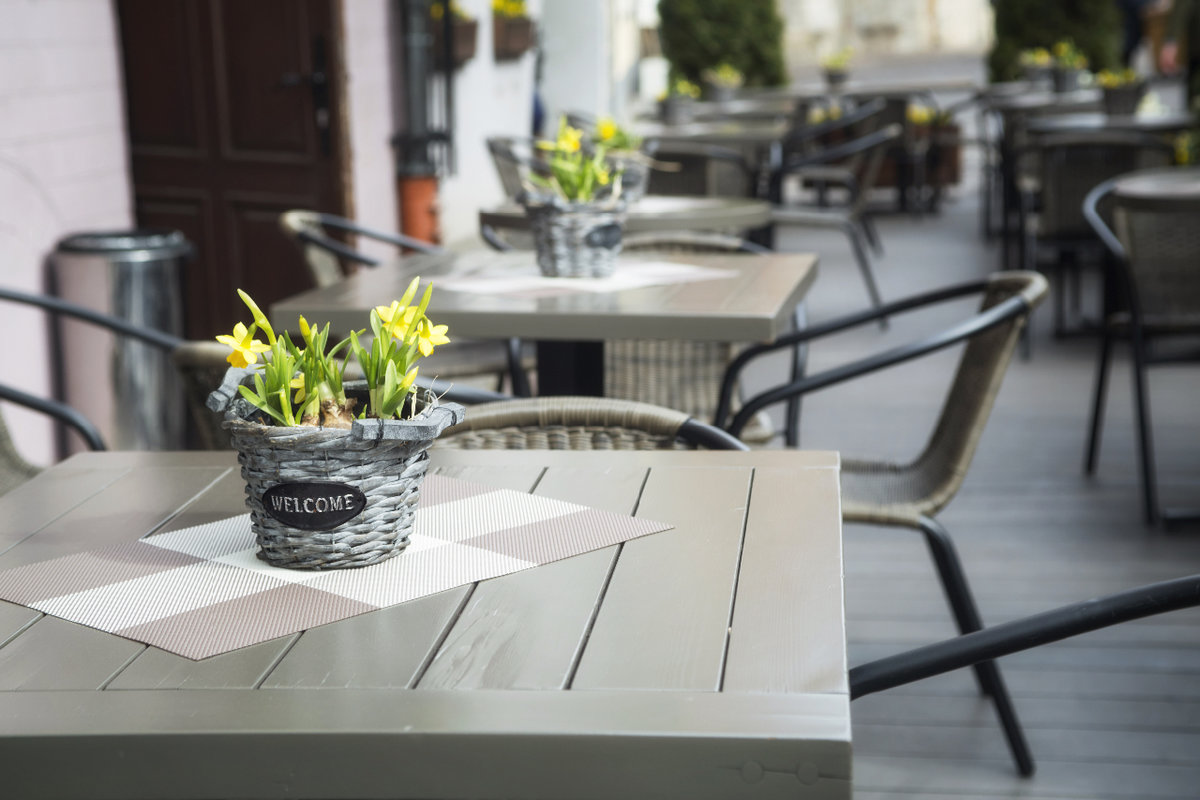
[1187, 148]
[943, 143]
[333, 469]
[722, 82]
[512, 29]
[463, 34]
[675, 104]
[836, 68]
[575, 206]
[1123, 90]
[1069, 65]
[1037, 66]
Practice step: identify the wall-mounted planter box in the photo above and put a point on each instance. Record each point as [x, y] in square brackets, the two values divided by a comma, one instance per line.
[511, 37]
[464, 33]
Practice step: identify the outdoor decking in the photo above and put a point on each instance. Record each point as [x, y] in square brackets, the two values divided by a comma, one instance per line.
[1114, 714]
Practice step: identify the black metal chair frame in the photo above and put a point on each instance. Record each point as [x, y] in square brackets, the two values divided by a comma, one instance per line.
[1024, 634]
[1139, 336]
[949, 567]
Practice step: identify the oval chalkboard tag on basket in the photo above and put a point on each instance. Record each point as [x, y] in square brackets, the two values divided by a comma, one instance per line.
[313, 506]
[607, 236]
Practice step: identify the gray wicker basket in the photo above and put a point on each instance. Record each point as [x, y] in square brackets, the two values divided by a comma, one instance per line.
[331, 499]
[576, 241]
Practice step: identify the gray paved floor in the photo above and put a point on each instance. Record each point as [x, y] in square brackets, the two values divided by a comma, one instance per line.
[1115, 714]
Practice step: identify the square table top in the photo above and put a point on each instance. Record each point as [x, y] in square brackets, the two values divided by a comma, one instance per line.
[754, 303]
[707, 661]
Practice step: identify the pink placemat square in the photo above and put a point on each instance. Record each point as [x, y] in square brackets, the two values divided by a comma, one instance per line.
[201, 591]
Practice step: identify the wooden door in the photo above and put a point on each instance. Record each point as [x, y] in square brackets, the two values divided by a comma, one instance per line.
[234, 112]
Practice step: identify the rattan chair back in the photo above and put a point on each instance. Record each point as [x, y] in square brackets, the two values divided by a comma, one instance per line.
[1161, 239]
[581, 423]
[1073, 164]
[880, 492]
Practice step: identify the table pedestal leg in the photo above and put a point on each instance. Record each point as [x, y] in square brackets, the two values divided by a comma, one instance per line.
[575, 368]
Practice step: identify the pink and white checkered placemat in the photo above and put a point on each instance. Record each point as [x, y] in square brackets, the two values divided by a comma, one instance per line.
[201, 591]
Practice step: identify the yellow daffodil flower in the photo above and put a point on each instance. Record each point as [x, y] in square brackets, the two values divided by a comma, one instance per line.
[569, 139]
[606, 129]
[396, 319]
[430, 335]
[298, 384]
[245, 347]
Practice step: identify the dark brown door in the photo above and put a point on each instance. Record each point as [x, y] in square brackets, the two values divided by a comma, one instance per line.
[233, 118]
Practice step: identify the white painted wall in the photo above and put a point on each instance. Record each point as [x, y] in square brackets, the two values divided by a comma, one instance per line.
[369, 91]
[491, 99]
[63, 168]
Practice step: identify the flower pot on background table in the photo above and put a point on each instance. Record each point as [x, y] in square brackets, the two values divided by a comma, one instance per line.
[1122, 101]
[325, 498]
[1066, 80]
[676, 109]
[578, 240]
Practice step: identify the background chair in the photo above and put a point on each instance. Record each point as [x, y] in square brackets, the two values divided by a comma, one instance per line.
[1056, 237]
[14, 469]
[870, 149]
[463, 358]
[582, 423]
[1156, 252]
[909, 495]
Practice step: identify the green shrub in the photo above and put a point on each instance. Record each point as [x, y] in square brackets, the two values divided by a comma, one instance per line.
[1094, 26]
[700, 34]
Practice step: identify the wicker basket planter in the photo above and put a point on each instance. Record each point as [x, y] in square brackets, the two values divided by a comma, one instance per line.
[577, 240]
[835, 79]
[1122, 101]
[1066, 79]
[322, 498]
[511, 37]
[676, 109]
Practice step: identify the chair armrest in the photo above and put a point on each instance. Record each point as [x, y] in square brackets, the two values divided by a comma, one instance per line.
[456, 393]
[1023, 634]
[699, 149]
[55, 305]
[845, 150]
[978, 322]
[59, 411]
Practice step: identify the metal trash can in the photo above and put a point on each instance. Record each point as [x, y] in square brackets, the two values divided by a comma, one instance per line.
[128, 388]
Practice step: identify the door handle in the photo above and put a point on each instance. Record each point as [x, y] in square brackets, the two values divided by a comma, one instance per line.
[318, 84]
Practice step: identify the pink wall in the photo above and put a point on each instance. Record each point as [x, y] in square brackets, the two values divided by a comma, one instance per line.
[63, 168]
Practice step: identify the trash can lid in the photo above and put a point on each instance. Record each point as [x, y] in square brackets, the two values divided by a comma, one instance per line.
[135, 245]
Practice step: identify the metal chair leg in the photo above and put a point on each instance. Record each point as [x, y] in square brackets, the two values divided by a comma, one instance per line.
[1141, 405]
[966, 616]
[862, 258]
[1100, 393]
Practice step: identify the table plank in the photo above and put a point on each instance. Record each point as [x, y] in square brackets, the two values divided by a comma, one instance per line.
[786, 634]
[133, 505]
[525, 630]
[35, 659]
[388, 648]
[661, 625]
[39, 501]
[240, 669]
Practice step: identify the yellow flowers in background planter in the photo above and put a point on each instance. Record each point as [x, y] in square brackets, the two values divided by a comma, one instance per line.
[302, 385]
[576, 174]
[1035, 57]
[1187, 148]
[838, 61]
[1113, 79]
[1068, 56]
[509, 9]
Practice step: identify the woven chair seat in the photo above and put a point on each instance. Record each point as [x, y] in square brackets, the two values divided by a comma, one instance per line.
[891, 494]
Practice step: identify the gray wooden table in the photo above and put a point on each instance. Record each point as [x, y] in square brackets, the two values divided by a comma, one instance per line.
[754, 304]
[708, 661]
[1171, 122]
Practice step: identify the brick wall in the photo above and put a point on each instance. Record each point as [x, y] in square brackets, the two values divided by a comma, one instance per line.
[63, 168]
